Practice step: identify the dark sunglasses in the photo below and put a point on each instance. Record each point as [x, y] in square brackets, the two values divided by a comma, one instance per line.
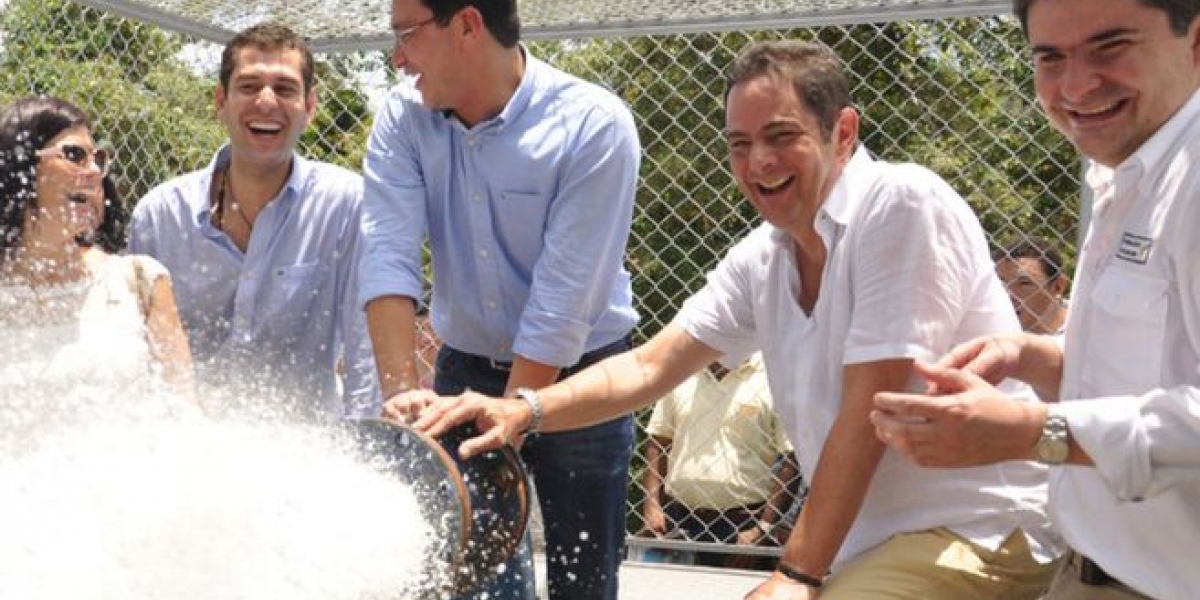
[102, 157]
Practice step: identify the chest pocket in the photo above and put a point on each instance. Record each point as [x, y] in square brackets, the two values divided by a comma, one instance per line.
[289, 295]
[1131, 314]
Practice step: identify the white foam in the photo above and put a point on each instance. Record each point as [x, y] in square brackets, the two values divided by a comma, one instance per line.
[188, 508]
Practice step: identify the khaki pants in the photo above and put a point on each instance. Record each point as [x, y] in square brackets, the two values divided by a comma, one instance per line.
[939, 565]
[1067, 586]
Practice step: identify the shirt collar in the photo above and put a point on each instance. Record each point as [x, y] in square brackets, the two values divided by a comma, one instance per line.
[202, 199]
[1152, 156]
[516, 104]
[841, 202]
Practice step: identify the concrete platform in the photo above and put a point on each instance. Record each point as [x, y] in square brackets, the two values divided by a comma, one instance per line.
[659, 581]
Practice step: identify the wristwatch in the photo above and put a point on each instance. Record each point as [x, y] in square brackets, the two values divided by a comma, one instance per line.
[1054, 445]
[535, 408]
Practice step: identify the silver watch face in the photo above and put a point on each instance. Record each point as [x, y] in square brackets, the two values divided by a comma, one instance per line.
[1054, 445]
[1052, 451]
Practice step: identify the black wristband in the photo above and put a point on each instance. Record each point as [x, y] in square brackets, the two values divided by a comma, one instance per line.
[798, 576]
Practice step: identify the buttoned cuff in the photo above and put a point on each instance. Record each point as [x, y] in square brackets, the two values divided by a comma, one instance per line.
[1111, 432]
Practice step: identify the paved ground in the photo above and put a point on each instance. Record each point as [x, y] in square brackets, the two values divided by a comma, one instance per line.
[651, 581]
[657, 581]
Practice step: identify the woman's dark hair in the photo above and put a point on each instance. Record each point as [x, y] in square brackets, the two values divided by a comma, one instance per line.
[110, 236]
[26, 126]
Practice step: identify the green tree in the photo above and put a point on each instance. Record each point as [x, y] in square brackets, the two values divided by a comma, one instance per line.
[948, 94]
[153, 109]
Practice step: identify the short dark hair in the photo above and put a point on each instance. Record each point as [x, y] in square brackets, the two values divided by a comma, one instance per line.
[1036, 248]
[499, 16]
[267, 36]
[26, 126]
[812, 68]
[1180, 13]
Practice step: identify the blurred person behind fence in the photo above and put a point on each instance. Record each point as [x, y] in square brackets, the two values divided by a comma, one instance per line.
[1032, 272]
[711, 457]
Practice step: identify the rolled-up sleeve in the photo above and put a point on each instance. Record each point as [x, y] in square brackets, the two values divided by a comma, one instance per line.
[394, 215]
[585, 239]
[1141, 445]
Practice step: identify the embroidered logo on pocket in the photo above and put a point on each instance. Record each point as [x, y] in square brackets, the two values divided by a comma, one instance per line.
[1134, 248]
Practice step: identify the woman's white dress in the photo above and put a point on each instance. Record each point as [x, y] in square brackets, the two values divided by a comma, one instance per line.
[69, 351]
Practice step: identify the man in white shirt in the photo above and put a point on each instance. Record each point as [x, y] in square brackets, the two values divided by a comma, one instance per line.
[861, 268]
[1120, 79]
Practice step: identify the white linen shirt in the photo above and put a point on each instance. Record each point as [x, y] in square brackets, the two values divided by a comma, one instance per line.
[908, 275]
[1131, 378]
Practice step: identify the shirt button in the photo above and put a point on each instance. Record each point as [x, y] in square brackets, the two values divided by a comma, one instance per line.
[483, 253]
[491, 304]
[477, 197]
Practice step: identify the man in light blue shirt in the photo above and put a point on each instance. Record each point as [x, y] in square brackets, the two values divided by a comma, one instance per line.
[263, 249]
[522, 179]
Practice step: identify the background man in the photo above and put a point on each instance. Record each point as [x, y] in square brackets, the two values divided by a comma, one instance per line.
[710, 463]
[522, 179]
[1120, 79]
[1031, 271]
[263, 247]
[861, 268]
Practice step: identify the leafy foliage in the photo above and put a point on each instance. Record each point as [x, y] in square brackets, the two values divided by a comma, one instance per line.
[950, 95]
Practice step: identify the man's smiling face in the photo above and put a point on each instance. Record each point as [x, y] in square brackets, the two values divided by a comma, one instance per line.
[266, 107]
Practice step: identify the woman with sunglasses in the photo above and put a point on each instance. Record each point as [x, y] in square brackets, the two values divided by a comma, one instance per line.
[75, 318]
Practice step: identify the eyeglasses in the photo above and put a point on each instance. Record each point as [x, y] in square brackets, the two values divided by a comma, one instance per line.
[101, 157]
[402, 35]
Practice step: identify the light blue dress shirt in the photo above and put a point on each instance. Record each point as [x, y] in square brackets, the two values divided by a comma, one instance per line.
[271, 322]
[527, 216]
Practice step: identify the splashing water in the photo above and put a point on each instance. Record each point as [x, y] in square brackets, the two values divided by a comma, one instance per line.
[151, 508]
[111, 489]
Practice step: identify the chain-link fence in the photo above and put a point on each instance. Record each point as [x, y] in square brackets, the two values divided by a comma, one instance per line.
[953, 94]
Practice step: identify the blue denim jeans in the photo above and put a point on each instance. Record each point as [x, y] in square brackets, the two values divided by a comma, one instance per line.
[582, 483]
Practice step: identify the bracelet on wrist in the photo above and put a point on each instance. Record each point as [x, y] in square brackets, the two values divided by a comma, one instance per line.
[800, 577]
[535, 408]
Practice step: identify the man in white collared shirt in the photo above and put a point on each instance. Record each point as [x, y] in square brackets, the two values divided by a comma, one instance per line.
[1120, 78]
[861, 268]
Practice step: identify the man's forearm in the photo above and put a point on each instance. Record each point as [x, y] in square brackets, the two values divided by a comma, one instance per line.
[530, 373]
[847, 464]
[391, 323]
[1041, 365]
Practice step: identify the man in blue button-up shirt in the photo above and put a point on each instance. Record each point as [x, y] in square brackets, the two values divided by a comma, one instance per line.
[263, 249]
[522, 179]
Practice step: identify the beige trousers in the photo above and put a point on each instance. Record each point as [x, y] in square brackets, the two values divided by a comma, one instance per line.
[1067, 586]
[940, 565]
